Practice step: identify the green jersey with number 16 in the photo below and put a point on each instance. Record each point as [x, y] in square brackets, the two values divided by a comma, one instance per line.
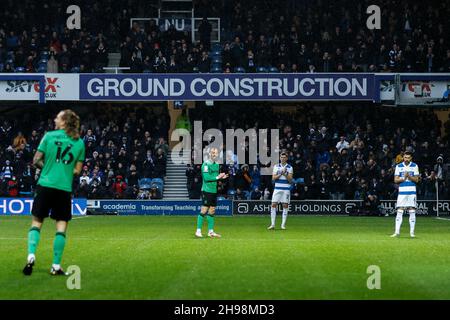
[61, 154]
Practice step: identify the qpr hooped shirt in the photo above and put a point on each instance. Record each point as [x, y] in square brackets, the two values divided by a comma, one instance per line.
[282, 182]
[407, 187]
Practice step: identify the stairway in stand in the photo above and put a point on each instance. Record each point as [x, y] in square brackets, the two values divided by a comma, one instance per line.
[175, 181]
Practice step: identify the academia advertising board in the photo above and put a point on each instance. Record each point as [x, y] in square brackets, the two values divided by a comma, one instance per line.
[58, 86]
[155, 207]
[23, 206]
[160, 87]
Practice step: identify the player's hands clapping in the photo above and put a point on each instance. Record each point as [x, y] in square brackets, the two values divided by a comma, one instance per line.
[222, 176]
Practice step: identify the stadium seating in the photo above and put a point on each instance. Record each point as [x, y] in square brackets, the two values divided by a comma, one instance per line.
[273, 70]
[216, 61]
[25, 122]
[216, 48]
[325, 35]
[42, 69]
[44, 55]
[145, 183]
[75, 70]
[261, 70]
[216, 69]
[338, 124]
[159, 182]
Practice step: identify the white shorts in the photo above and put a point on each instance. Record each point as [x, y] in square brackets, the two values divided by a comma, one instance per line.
[406, 201]
[283, 196]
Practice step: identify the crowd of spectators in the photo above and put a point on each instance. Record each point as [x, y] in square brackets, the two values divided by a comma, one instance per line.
[34, 36]
[298, 36]
[332, 36]
[123, 146]
[336, 152]
[287, 35]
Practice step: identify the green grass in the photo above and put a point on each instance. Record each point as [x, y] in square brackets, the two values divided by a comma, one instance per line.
[149, 257]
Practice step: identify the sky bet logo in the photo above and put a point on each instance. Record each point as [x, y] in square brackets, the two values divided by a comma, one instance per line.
[51, 86]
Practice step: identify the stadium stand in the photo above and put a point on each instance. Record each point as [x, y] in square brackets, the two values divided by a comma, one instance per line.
[336, 153]
[124, 146]
[331, 149]
[257, 35]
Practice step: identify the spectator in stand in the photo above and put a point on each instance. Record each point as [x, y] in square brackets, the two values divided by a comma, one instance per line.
[336, 186]
[204, 63]
[13, 187]
[101, 58]
[195, 187]
[205, 29]
[132, 178]
[155, 192]
[237, 53]
[371, 204]
[162, 144]
[239, 195]
[255, 177]
[85, 178]
[52, 64]
[119, 187]
[342, 144]
[256, 194]
[429, 185]
[243, 180]
[83, 189]
[160, 164]
[7, 171]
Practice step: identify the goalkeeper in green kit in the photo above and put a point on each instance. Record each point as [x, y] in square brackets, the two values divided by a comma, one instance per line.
[210, 175]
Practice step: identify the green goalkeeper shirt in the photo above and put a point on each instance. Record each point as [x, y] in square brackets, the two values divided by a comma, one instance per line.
[61, 154]
[210, 171]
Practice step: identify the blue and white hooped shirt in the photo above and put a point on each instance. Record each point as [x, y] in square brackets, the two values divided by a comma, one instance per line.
[407, 187]
[282, 182]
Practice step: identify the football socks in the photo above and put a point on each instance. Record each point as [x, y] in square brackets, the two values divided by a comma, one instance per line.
[284, 217]
[58, 247]
[210, 219]
[33, 239]
[200, 219]
[398, 220]
[412, 221]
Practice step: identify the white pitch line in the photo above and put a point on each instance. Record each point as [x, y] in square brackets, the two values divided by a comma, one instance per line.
[83, 217]
[239, 240]
[439, 218]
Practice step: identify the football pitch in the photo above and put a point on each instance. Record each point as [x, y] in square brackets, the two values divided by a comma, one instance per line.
[158, 257]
